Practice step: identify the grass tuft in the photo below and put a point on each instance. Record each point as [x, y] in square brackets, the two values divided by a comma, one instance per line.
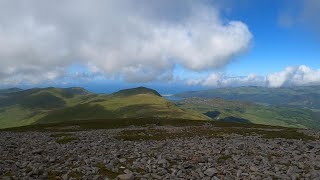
[103, 171]
[53, 175]
[75, 175]
[59, 135]
[66, 140]
[224, 158]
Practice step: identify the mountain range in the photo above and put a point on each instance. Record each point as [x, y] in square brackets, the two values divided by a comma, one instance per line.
[297, 107]
[53, 105]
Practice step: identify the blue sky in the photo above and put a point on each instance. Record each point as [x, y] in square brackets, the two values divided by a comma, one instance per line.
[274, 47]
[171, 46]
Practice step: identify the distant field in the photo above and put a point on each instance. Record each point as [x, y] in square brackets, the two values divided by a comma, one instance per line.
[300, 97]
[253, 113]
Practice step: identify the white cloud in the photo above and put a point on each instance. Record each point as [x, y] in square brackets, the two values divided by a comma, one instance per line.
[290, 76]
[294, 76]
[279, 78]
[139, 41]
[224, 80]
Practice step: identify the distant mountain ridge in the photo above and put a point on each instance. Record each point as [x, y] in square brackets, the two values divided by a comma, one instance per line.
[52, 105]
[10, 90]
[41, 97]
[302, 97]
[56, 105]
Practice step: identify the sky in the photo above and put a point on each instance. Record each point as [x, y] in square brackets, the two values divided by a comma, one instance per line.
[168, 45]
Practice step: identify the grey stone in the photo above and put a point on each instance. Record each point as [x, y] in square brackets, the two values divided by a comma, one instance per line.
[122, 160]
[254, 168]
[156, 176]
[192, 157]
[210, 172]
[126, 176]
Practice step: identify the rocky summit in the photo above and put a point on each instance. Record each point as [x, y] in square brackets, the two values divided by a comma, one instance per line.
[159, 153]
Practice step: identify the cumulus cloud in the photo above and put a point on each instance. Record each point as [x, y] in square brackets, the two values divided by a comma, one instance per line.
[138, 41]
[290, 76]
[294, 76]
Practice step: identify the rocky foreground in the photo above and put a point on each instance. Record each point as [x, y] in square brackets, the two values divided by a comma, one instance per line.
[157, 153]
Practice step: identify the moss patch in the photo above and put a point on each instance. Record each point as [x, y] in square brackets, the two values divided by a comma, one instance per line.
[66, 140]
[53, 175]
[103, 171]
[75, 174]
[161, 134]
[60, 135]
[224, 158]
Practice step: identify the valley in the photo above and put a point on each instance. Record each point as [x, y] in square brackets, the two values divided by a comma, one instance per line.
[299, 97]
[247, 112]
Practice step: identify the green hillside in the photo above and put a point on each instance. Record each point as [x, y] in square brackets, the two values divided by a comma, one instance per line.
[136, 91]
[238, 111]
[58, 105]
[302, 97]
[10, 90]
[28, 106]
[46, 98]
[51, 105]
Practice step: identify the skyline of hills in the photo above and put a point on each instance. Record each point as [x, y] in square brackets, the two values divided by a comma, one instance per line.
[244, 104]
[52, 105]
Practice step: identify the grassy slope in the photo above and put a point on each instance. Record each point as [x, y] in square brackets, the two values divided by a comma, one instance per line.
[52, 105]
[132, 106]
[259, 114]
[67, 126]
[27, 107]
[17, 116]
[135, 91]
[295, 97]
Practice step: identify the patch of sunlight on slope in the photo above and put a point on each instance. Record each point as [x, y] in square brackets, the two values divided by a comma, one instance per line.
[288, 117]
[114, 103]
[146, 105]
[70, 101]
[18, 116]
